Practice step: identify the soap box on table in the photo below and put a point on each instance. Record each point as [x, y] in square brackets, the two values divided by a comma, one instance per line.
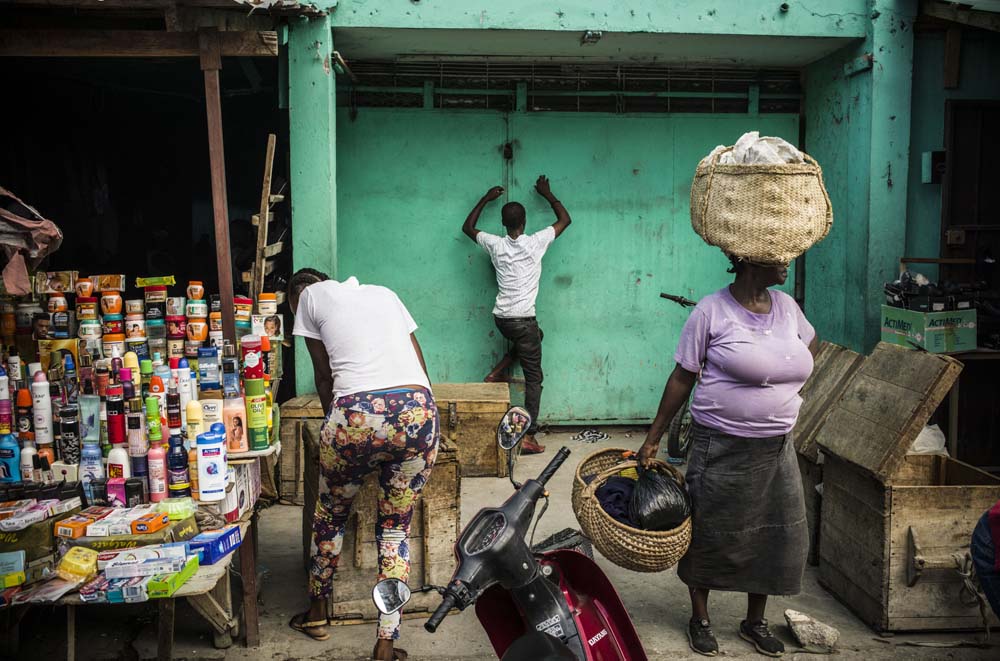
[214, 545]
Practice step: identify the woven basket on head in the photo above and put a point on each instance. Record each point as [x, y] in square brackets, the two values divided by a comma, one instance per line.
[628, 547]
[592, 465]
[765, 213]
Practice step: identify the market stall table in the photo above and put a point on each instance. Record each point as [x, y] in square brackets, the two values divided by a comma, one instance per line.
[208, 592]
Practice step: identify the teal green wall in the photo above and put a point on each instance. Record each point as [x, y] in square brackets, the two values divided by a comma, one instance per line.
[842, 18]
[858, 128]
[407, 178]
[979, 79]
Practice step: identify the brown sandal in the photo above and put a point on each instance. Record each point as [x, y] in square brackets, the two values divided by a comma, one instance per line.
[302, 626]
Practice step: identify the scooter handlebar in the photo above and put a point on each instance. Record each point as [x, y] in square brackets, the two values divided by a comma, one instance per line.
[435, 619]
[554, 465]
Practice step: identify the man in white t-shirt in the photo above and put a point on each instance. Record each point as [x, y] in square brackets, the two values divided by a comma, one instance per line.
[517, 258]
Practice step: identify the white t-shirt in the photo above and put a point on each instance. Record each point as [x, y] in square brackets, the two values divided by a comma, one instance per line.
[366, 331]
[518, 263]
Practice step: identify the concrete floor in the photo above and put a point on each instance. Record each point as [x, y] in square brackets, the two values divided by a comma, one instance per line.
[658, 603]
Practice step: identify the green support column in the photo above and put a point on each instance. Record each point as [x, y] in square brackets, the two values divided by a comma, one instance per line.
[312, 130]
[892, 83]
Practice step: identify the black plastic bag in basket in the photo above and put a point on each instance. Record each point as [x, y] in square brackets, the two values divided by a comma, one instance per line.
[658, 502]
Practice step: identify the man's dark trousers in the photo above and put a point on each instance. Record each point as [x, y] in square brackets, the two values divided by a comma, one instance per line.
[526, 337]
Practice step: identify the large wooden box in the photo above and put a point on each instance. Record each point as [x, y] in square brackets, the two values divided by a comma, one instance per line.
[891, 521]
[833, 368]
[469, 414]
[433, 532]
[296, 415]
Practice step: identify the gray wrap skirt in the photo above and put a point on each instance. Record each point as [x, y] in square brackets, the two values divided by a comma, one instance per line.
[749, 531]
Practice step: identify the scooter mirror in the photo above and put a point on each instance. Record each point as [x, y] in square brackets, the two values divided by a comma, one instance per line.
[390, 595]
[513, 427]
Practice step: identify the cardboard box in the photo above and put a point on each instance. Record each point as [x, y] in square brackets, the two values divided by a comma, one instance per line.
[150, 522]
[12, 569]
[73, 527]
[40, 569]
[936, 332]
[171, 550]
[36, 540]
[214, 545]
[12, 507]
[147, 567]
[178, 531]
[95, 592]
[137, 590]
[165, 585]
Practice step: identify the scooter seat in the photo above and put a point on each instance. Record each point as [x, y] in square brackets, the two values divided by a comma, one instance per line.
[538, 646]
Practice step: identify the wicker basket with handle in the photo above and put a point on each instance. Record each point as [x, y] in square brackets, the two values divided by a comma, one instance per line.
[628, 547]
[764, 213]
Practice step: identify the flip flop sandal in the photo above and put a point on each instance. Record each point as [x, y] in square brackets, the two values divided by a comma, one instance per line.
[302, 626]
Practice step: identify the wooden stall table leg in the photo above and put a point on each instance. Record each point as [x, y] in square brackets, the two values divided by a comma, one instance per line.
[248, 570]
[216, 606]
[71, 633]
[165, 638]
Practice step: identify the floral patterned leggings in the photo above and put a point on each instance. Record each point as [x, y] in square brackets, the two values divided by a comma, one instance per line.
[394, 432]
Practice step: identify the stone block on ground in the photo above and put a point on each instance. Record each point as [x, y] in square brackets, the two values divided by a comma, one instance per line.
[811, 633]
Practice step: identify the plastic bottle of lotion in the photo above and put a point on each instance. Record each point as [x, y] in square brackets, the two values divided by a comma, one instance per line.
[154, 427]
[4, 384]
[193, 468]
[28, 454]
[212, 464]
[6, 417]
[158, 390]
[119, 464]
[145, 375]
[42, 404]
[256, 404]
[91, 466]
[157, 460]
[10, 459]
[184, 389]
[71, 384]
[234, 417]
[178, 477]
[25, 416]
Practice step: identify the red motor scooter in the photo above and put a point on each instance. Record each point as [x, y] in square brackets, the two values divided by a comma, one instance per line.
[536, 605]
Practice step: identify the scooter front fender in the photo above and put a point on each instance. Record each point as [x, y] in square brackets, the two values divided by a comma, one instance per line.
[605, 627]
[603, 624]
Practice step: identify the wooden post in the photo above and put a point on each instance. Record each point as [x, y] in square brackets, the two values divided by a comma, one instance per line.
[71, 633]
[248, 571]
[165, 630]
[211, 63]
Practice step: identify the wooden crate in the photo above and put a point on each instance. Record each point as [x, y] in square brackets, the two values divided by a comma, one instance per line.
[433, 532]
[470, 413]
[296, 415]
[834, 366]
[876, 498]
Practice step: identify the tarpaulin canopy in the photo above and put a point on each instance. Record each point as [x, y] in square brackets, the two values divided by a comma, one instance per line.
[26, 238]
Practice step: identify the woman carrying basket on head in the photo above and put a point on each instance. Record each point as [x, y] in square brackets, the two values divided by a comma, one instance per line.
[751, 350]
[754, 350]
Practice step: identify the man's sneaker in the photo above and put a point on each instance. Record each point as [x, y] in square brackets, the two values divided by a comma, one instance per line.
[759, 634]
[701, 638]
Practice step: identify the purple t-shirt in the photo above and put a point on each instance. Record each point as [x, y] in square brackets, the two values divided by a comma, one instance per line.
[752, 365]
